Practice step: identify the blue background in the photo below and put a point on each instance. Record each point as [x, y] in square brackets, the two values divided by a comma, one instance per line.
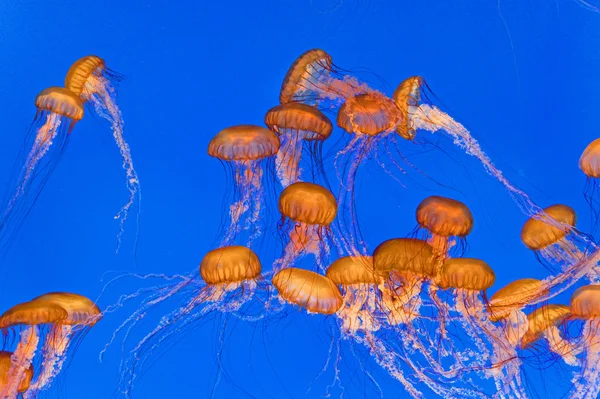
[522, 75]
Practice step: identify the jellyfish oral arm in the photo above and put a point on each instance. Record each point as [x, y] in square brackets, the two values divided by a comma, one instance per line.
[54, 354]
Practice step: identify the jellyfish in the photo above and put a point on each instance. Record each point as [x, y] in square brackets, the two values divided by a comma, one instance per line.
[95, 84]
[312, 291]
[506, 306]
[585, 305]
[359, 285]
[246, 151]
[543, 323]
[549, 235]
[313, 79]
[230, 280]
[58, 109]
[589, 163]
[82, 314]
[307, 210]
[298, 126]
[6, 363]
[370, 118]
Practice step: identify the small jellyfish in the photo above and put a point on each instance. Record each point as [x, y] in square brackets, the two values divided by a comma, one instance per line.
[58, 109]
[307, 210]
[543, 323]
[506, 306]
[5, 366]
[313, 79]
[548, 234]
[589, 163]
[230, 279]
[359, 285]
[585, 305]
[407, 97]
[96, 84]
[299, 127]
[312, 291]
[369, 118]
[246, 151]
[408, 264]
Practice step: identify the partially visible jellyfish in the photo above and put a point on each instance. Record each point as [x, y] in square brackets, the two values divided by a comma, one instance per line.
[246, 151]
[300, 127]
[96, 84]
[231, 279]
[307, 210]
[447, 221]
[58, 109]
[589, 163]
[313, 79]
[407, 97]
[82, 314]
[5, 366]
[359, 285]
[543, 323]
[548, 234]
[407, 264]
[369, 118]
[585, 305]
[312, 291]
[506, 306]
[27, 321]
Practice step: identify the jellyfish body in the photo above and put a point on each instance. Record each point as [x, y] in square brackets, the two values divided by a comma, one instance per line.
[589, 163]
[359, 285]
[314, 79]
[298, 126]
[369, 118]
[585, 305]
[312, 291]
[307, 210]
[58, 109]
[96, 85]
[246, 149]
[548, 234]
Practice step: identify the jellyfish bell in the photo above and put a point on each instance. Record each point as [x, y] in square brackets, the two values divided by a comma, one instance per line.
[548, 234]
[314, 79]
[60, 101]
[407, 97]
[310, 290]
[359, 286]
[299, 127]
[589, 163]
[467, 274]
[90, 79]
[80, 309]
[514, 297]
[246, 151]
[307, 210]
[368, 114]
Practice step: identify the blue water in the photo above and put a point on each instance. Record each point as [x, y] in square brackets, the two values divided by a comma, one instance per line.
[521, 75]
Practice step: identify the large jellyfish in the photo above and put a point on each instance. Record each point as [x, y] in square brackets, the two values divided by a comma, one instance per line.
[299, 127]
[96, 84]
[549, 235]
[307, 210]
[67, 317]
[58, 109]
[585, 304]
[314, 79]
[231, 278]
[246, 151]
[359, 285]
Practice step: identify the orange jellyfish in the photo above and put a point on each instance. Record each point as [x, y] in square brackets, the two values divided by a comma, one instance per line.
[96, 85]
[299, 127]
[245, 150]
[58, 109]
[5, 366]
[359, 285]
[543, 323]
[585, 305]
[549, 235]
[307, 210]
[506, 306]
[230, 280]
[369, 118]
[313, 79]
[589, 163]
[312, 291]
